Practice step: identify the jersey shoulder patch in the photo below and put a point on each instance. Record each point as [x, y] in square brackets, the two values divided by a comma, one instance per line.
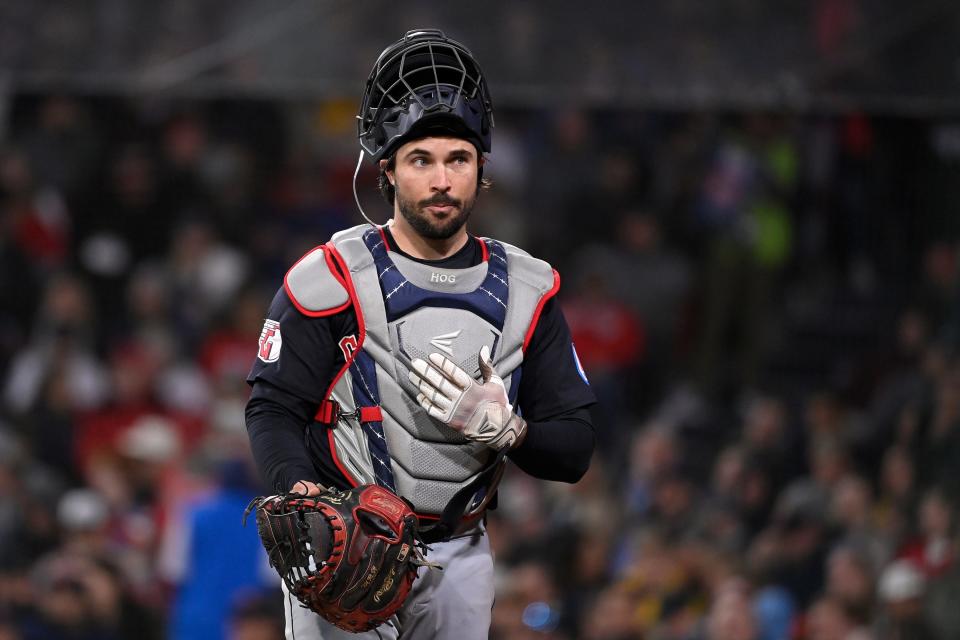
[315, 286]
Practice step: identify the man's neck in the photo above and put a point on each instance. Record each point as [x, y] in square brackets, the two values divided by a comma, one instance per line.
[416, 246]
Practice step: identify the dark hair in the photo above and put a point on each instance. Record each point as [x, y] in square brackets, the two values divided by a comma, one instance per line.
[389, 192]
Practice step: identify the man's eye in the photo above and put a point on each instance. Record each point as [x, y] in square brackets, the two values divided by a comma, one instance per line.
[420, 162]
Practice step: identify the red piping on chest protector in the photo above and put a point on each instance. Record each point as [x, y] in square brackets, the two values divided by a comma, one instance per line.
[309, 312]
[354, 299]
[484, 252]
[536, 313]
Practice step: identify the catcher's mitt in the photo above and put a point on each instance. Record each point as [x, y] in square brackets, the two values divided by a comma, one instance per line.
[350, 556]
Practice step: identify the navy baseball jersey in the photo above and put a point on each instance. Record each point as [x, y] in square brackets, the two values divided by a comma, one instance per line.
[289, 445]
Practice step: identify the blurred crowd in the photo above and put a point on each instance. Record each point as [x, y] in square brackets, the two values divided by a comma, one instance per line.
[695, 46]
[767, 306]
[634, 52]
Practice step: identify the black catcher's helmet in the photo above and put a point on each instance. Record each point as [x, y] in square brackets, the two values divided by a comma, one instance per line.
[421, 84]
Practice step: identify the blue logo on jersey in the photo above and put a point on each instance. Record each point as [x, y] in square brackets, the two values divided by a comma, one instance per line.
[576, 361]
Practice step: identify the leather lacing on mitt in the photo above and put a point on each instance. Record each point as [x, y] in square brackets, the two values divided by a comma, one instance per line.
[350, 556]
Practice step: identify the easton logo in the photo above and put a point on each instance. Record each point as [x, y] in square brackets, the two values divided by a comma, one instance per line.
[442, 278]
[445, 341]
[270, 341]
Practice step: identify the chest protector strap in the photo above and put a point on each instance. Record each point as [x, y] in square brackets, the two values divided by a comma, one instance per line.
[330, 413]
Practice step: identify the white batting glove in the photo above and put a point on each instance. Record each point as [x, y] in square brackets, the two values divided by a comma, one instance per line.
[480, 411]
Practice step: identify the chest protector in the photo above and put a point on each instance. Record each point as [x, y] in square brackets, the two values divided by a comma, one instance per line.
[407, 310]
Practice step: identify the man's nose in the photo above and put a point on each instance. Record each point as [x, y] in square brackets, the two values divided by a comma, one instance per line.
[440, 181]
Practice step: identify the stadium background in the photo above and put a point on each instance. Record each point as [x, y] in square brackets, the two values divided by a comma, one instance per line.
[753, 205]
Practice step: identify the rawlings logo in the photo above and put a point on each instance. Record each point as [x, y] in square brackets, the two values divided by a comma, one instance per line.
[387, 585]
[387, 505]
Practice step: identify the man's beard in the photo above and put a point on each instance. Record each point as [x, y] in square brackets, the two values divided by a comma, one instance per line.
[415, 215]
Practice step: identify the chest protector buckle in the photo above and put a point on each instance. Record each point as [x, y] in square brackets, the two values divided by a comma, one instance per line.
[330, 413]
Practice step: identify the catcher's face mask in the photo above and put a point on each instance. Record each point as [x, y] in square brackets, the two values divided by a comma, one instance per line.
[424, 81]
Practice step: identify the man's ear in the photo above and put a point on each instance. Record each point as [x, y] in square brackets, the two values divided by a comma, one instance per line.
[387, 172]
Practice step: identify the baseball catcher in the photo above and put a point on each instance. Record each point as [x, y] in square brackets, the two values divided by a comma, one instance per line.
[410, 359]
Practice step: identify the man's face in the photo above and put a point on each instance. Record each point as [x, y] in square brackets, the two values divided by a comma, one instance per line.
[436, 185]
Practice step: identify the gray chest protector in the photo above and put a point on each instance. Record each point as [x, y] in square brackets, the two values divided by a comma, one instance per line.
[407, 310]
